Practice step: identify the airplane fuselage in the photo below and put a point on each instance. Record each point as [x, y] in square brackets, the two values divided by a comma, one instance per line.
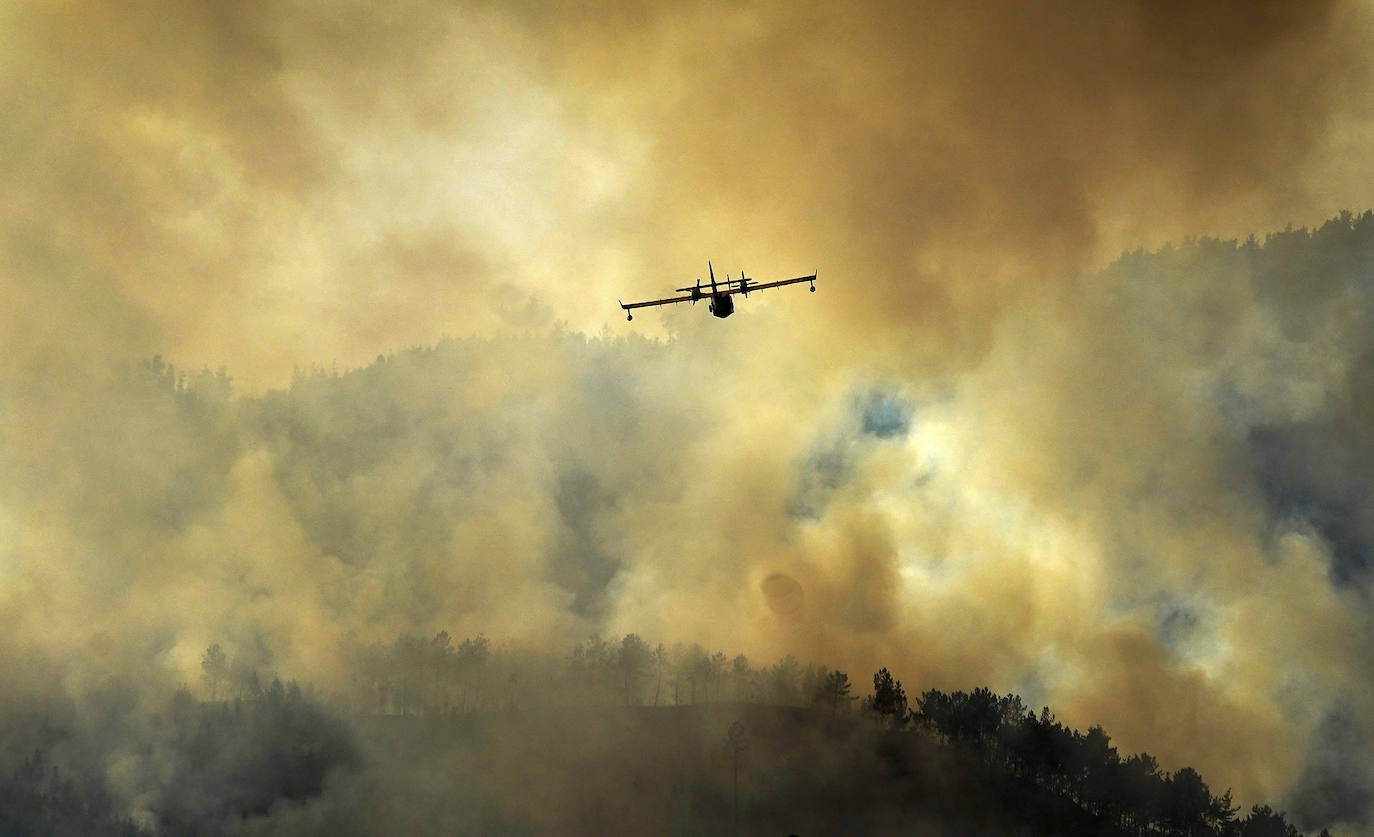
[722, 305]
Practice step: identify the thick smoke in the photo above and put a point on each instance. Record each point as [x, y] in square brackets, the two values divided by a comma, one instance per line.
[985, 452]
[349, 180]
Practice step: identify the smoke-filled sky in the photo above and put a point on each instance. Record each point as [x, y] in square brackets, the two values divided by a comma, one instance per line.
[986, 452]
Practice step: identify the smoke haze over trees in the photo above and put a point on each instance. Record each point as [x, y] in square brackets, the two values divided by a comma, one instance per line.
[333, 529]
[309, 354]
[437, 738]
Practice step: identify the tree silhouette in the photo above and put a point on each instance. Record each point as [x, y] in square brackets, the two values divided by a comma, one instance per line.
[742, 676]
[834, 691]
[1221, 813]
[1186, 801]
[715, 671]
[695, 664]
[634, 658]
[1138, 787]
[1264, 821]
[469, 661]
[245, 681]
[889, 699]
[784, 681]
[214, 668]
[660, 659]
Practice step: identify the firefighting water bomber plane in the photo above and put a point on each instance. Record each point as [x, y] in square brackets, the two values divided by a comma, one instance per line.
[719, 294]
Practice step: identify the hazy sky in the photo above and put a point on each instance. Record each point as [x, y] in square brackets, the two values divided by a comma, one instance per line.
[971, 456]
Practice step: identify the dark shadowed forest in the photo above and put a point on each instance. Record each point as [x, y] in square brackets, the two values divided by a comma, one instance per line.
[235, 628]
[617, 737]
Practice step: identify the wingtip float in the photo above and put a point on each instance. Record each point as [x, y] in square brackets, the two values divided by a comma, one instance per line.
[719, 295]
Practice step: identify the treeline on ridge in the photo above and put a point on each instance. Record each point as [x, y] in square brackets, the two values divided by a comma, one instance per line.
[999, 734]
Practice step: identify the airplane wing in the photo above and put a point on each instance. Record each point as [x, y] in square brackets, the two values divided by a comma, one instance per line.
[766, 285]
[669, 301]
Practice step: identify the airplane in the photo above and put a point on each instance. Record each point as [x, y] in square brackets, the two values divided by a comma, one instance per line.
[721, 304]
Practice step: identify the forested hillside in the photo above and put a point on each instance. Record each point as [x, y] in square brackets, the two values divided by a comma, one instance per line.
[236, 607]
[614, 737]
